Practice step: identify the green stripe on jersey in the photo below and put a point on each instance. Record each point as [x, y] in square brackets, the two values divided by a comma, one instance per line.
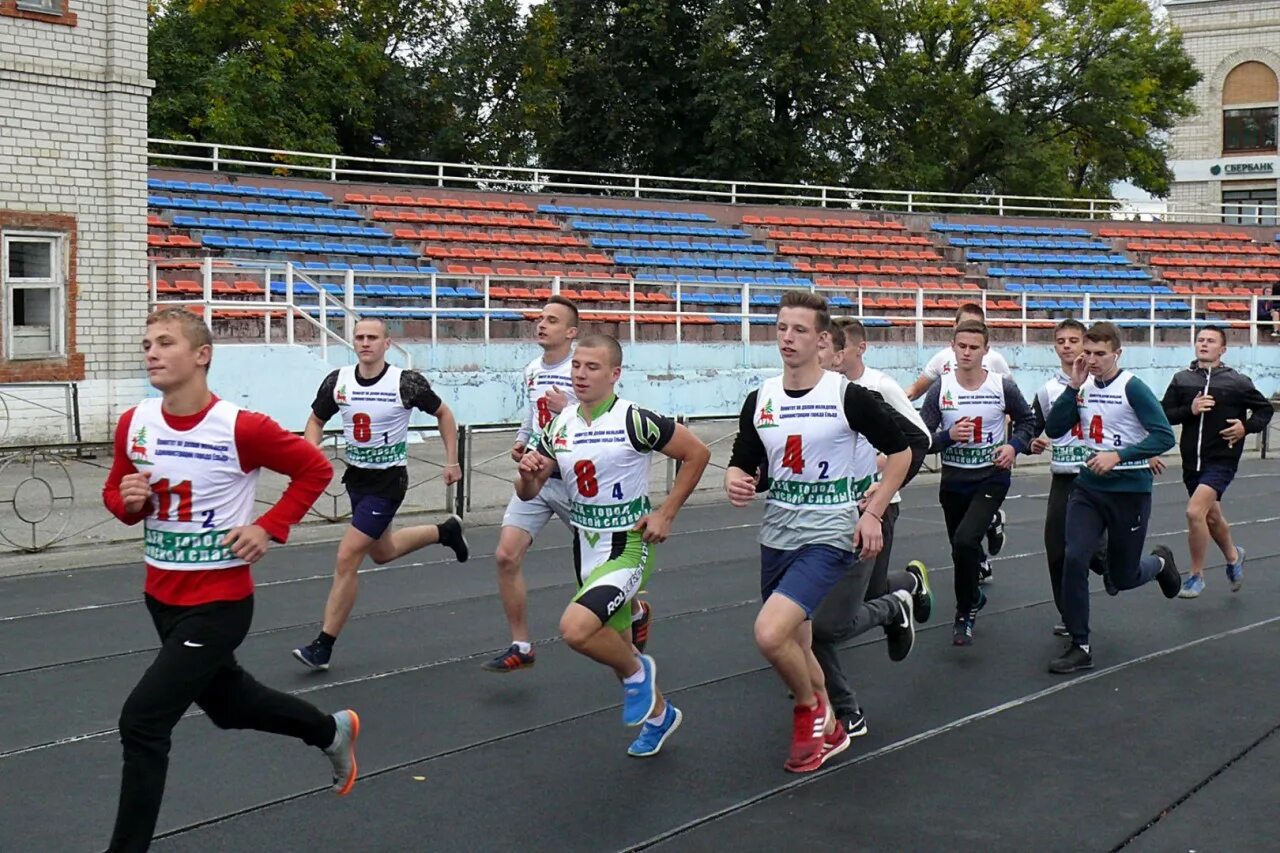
[195, 549]
[807, 493]
[608, 516]
[381, 454]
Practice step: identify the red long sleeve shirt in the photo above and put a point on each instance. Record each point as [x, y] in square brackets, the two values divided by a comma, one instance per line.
[260, 443]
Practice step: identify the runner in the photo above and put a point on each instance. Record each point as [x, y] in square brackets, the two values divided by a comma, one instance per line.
[966, 410]
[601, 448]
[186, 465]
[1124, 426]
[805, 426]
[1217, 407]
[377, 400]
[1068, 453]
[550, 388]
[942, 363]
[852, 607]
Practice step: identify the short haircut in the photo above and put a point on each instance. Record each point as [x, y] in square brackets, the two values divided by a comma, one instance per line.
[854, 331]
[386, 333]
[970, 308]
[1069, 323]
[837, 337]
[566, 302]
[812, 301]
[1104, 333]
[606, 342]
[192, 325]
[972, 327]
[1211, 328]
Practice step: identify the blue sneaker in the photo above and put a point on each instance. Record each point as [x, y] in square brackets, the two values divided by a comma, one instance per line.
[638, 699]
[1235, 571]
[653, 737]
[1191, 587]
[314, 655]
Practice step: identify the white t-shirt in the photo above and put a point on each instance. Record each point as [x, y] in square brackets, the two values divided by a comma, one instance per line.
[944, 361]
[882, 384]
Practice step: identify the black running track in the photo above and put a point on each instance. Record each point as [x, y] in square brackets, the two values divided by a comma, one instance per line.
[1169, 744]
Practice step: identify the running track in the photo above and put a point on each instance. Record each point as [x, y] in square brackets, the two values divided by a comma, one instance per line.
[1169, 744]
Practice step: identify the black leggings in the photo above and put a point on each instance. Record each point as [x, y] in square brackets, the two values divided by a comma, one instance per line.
[196, 664]
[968, 515]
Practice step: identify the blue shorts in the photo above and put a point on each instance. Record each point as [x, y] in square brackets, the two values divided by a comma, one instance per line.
[372, 513]
[804, 575]
[1217, 477]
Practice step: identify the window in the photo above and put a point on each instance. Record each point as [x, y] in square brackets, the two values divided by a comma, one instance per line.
[47, 7]
[1249, 130]
[1249, 207]
[34, 278]
[46, 11]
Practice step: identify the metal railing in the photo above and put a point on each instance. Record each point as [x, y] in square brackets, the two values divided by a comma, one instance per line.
[472, 176]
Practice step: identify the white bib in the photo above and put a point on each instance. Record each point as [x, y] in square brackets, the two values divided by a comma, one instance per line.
[198, 489]
[809, 445]
[984, 406]
[1108, 421]
[375, 421]
[1069, 450]
[538, 380]
[606, 477]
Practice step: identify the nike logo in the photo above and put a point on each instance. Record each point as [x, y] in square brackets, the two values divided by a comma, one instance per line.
[192, 645]
[371, 512]
[1134, 529]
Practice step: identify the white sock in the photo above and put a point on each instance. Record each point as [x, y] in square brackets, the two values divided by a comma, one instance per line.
[657, 718]
[636, 677]
[1085, 648]
[523, 647]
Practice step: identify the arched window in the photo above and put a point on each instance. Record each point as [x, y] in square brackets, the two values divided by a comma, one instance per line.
[1250, 105]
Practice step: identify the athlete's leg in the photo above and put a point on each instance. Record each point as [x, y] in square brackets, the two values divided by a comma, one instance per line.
[777, 633]
[513, 545]
[1220, 530]
[583, 632]
[835, 620]
[394, 544]
[1085, 524]
[352, 549]
[1055, 533]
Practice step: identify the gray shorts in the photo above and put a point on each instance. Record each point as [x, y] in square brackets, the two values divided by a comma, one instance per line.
[532, 516]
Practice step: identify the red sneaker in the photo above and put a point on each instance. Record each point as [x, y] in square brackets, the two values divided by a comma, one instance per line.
[807, 737]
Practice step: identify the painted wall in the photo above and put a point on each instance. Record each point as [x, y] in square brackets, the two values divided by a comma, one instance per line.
[482, 384]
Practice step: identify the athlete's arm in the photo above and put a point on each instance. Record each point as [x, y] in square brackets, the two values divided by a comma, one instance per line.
[535, 468]
[263, 443]
[1176, 404]
[1063, 414]
[1038, 444]
[322, 409]
[1024, 420]
[1151, 416]
[693, 456]
[525, 432]
[896, 399]
[746, 458]
[126, 493]
[313, 432]
[1260, 408]
[449, 435]
[932, 370]
[931, 413]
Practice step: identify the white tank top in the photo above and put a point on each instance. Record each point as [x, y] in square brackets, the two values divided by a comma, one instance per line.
[984, 406]
[198, 489]
[809, 445]
[1069, 450]
[606, 476]
[375, 421]
[1107, 419]
[538, 380]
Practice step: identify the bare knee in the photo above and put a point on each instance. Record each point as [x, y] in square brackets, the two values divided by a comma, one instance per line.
[509, 559]
[771, 638]
[577, 629]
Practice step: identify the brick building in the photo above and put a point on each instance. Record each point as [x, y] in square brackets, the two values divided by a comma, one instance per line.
[73, 125]
[1227, 154]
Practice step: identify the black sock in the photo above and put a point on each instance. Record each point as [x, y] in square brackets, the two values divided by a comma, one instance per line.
[326, 640]
[449, 531]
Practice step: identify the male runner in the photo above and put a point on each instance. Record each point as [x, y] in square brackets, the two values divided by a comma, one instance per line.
[965, 409]
[851, 608]
[376, 400]
[1068, 453]
[805, 426]
[1217, 407]
[601, 448]
[549, 383]
[186, 465]
[943, 362]
[1124, 427]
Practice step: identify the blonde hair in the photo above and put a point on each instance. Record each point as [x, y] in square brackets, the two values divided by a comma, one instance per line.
[192, 325]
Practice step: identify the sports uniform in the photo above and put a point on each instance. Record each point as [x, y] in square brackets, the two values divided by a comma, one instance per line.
[531, 516]
[944, 361]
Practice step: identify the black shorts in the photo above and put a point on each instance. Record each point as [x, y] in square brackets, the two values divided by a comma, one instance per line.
[1214, 475]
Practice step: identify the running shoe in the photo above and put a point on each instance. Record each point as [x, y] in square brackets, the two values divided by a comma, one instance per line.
[854, 723]
[922, 596]
[1108, 584]
[962, 628]
[1060, 630]
[453, 535]
[1170, 580]
[640, 627]
[1235, 571]
[653, 737]
[1191, 587]
[638, 699]
[314, 655]
[342, 752]
[985, 575]
[995, 534]
[808, 741]
[901, 633]
[1073, 659]
[510, 660]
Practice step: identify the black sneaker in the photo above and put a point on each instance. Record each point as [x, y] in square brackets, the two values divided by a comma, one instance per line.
[640, 627]
[453, 535]
[922, 596]
[510, 660]
[1060, 630]
[962, 628]
[1107, 584]
[1170, 580]
[901, 633]
[1073, 659]
[854, 722]
[314, 655]
[985, 575]
[995, 534]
